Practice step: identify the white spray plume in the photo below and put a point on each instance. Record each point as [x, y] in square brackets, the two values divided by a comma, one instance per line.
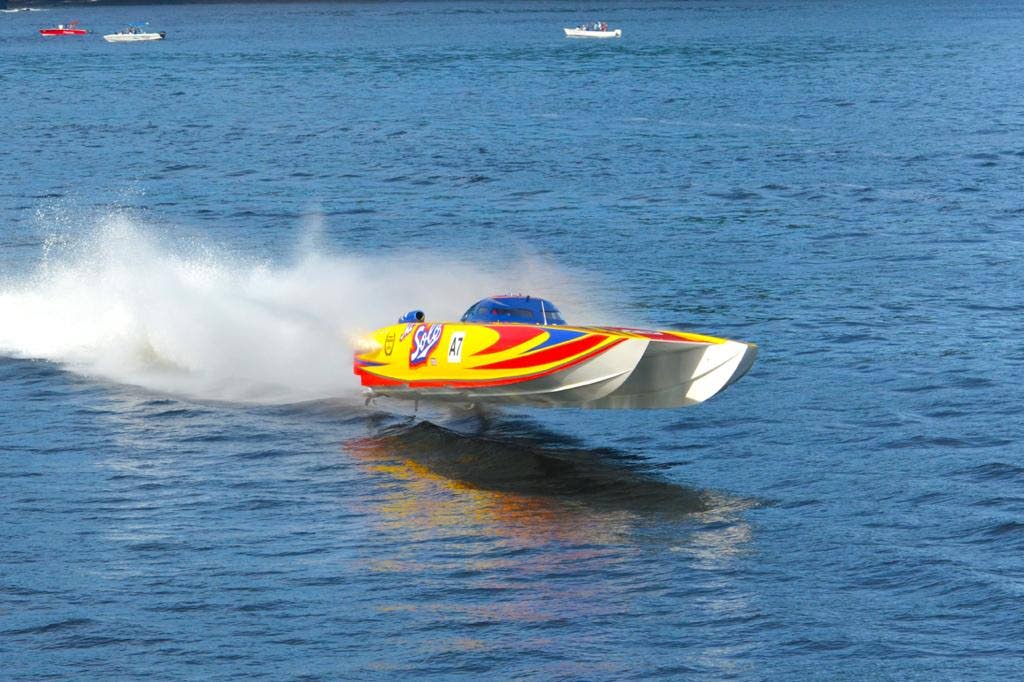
[121, 303]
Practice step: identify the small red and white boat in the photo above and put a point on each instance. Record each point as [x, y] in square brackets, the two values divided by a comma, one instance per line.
[63, 30]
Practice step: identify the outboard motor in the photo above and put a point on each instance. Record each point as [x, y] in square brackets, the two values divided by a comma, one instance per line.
[412, 316]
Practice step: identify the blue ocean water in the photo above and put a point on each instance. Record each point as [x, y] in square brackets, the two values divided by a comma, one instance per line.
[194, 230]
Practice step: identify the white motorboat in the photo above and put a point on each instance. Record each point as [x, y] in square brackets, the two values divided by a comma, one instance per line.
[132, 34]
[596, 29]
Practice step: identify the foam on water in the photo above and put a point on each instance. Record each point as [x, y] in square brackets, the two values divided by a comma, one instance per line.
[127, 302]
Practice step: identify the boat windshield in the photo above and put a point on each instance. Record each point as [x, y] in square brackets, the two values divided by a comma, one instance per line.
[552, 315]
[514, 309]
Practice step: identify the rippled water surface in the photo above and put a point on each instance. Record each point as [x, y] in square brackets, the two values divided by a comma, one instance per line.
[192, 232]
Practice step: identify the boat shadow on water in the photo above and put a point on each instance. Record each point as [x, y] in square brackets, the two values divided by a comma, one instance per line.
[510, 458]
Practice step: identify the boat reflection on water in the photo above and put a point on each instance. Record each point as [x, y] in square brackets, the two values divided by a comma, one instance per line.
[525, 491]
[463, 531]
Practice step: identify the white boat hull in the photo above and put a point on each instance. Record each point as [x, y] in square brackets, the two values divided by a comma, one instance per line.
[679, 375]
[132, 37]
[583, 33]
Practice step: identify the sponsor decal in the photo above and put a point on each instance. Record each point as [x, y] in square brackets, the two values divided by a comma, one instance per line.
[424, 341]
[389, 343]
[408, 328]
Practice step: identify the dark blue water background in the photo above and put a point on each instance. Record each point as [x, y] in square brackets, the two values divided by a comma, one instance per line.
[191, 231]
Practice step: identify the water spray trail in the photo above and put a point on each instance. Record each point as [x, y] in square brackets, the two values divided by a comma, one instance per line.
[119, 302]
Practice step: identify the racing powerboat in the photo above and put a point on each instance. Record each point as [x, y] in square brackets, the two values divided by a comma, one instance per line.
[70, 29]
[519, 350]
[133, 34]
[595, 29]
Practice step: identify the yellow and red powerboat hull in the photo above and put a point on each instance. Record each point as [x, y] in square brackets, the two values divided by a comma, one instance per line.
[528, 364]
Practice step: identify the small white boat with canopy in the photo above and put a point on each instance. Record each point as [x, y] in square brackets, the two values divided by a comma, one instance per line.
[593, 29]
[134, 33]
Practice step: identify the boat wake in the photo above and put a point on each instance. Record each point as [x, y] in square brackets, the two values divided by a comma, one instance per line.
[141, 305]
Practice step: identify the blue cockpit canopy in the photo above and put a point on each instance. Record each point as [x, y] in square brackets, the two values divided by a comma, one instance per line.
[518, 309]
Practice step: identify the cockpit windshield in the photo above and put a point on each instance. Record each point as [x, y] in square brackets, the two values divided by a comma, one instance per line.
[552, 314]
[514, 309]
